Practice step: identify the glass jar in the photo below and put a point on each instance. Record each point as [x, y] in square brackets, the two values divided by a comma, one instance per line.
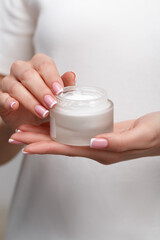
[80, 114]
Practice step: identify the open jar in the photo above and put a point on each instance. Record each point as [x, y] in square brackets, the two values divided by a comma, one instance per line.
[80, 114]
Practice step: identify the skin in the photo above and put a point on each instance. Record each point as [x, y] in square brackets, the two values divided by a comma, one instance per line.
[20, 87]
[131, 139]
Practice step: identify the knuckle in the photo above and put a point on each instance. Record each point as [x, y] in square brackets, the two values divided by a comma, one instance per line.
[37, 56]
[28, 74]
[40, 56]
[17, 64]
[44, 64]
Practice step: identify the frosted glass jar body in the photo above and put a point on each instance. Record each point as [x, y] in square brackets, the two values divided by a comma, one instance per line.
[80, 114]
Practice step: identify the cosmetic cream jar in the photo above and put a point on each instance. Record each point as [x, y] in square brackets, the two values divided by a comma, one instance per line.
[80, 114]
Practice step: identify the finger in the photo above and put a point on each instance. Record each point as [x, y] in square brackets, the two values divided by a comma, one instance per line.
[52, 147]
[69, 79]
[7, 103]
[17, 91]
[41, 143]
[28, 137]
[43, 129]
[31, 80]
[106, 158]
[47, 69]
[136, 138]
[48, 143]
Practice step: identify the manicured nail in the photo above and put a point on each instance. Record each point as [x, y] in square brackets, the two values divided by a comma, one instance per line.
[14, 141]
[43, 112]
[57, 88]
[11, 104]
[24, 152]
[75, 76]
[17, 130]
[50, 101]
[98, 143]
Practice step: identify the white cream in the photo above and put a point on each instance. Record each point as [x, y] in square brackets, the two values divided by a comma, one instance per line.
[79, 95]
[80, 114]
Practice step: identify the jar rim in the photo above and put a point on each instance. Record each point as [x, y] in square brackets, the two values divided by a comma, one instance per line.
[102, 92]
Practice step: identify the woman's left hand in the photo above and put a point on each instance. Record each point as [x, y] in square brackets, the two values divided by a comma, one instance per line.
[131, 139]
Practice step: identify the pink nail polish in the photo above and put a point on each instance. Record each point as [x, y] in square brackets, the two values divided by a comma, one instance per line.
[98, 143]
[57, 88]
[50, 101]
[14, 141]
[11, 104]
[40, 110]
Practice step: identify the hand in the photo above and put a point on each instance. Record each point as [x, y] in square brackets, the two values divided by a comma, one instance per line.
[29, 91]
[131, 139]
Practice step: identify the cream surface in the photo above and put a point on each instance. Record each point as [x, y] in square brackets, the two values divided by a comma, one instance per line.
[79, 95]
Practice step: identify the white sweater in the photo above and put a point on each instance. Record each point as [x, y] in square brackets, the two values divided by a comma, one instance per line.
[112, 44]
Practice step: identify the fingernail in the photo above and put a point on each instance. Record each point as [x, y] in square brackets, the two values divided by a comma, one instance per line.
[24, 152]
[43, 112]
[50, 101]
[14, 141]
[11, 104]
[57, 88]
[17, 130]
[75, 76]
[98, 143]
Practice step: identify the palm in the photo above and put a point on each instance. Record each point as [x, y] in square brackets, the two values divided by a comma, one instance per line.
[38, 139]
[130, 139]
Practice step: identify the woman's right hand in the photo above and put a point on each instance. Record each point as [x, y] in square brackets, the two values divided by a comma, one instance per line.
[27, 94]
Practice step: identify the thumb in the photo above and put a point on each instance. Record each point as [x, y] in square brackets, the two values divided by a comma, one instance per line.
[69, 79]
[135, 138]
